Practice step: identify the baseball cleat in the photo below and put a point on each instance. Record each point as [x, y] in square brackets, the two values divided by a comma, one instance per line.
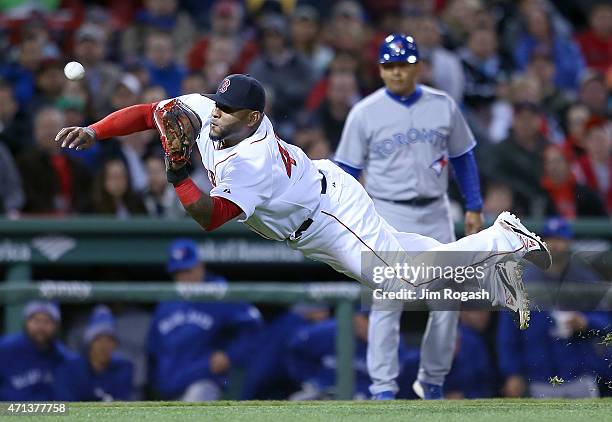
[384, 396]
[427, 391]
[510, 274]
[536, 250]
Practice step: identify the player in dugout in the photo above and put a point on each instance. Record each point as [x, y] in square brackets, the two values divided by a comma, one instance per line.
[314, 206]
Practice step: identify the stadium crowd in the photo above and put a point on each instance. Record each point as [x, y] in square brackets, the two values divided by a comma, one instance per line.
[533, 78]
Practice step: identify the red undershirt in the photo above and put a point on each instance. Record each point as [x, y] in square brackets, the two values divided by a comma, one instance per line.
[140, 117]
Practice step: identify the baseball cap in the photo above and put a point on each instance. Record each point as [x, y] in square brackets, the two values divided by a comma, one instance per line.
[182, 255]
[48, 308]
[557, 227]
[241, 92]
[131, 82]
[101, 322]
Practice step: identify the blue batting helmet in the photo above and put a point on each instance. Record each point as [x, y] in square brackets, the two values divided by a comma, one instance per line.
[398, 48]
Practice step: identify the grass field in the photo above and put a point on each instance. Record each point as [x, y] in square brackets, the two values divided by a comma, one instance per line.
[342, 411]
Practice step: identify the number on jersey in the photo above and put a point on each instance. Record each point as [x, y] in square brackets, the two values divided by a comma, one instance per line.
[287, 159]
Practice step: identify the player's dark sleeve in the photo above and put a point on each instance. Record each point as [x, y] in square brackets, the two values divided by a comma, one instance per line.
[466, 172]
[125, 121]
[353, 171]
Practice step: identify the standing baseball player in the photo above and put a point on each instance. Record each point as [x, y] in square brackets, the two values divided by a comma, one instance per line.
[314, 206]
[403, 136]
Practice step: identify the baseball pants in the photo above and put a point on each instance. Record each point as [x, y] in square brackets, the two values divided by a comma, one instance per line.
[438, 343]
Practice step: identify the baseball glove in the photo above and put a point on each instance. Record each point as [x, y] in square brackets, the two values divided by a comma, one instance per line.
[179, 127]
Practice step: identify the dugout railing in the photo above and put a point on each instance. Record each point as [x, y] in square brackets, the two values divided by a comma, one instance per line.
[26, 243]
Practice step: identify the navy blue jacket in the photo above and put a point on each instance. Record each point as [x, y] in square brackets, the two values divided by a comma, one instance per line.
[76, 380]
[312, 358]
[267, 375]
[26, 373]
[538, 355]
[472, 372]
[183, 336]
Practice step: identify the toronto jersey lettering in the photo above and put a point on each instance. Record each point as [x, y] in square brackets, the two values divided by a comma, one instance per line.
[274, 183]
[404, 150]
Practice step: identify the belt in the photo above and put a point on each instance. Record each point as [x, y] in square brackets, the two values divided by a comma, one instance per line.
[308, 222]
[419, 201]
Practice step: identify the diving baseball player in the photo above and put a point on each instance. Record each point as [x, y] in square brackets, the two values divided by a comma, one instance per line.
[404, 136]
[314, 206]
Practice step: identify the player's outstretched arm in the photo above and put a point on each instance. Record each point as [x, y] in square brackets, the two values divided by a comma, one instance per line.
[209, 212]
[122, 122]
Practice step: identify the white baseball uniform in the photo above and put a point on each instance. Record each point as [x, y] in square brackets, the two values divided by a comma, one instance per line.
[278, 188]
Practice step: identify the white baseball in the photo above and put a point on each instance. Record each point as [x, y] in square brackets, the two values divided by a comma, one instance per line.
[74, 71]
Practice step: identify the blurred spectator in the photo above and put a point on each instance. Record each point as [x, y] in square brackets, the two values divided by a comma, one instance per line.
[159, 198]
[498, 198]
[311, 359]
[446, 69]
[347, 29]
[161, 63]
[305, 38]
[482, 65]
[343, 62]
[541, 37]
[193, 84]
[267, 375]
[20, 71]
[126, 93]
[219, 57]
[101, 76]
[11, 193]
[576, 118]
[342, 94]
[596, 42]
[226, 25]
[112, 192]
[54, 182]
[517, 160]
[472, 375]
[594, 93]
[193, 345]
[558, 342]
[556, 100]
[14, 123]
[460, 18]
[153, 94]
[309, 136]
[159, 16]
[595, 166]
[567, 197]
[31, 357]
[283, 72]
[99, 374]
[49, 84]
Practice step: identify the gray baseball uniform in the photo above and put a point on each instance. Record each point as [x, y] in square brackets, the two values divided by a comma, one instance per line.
[404, 146]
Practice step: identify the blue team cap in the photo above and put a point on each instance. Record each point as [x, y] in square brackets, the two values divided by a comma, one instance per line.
[240, 92]
[101, 322]
[557, 227]
[37, 306]
[182, 255]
